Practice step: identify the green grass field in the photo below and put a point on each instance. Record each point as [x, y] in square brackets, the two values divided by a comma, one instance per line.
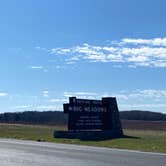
[148, 140]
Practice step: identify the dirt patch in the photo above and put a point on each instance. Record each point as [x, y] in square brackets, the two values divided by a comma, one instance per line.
[144, 125]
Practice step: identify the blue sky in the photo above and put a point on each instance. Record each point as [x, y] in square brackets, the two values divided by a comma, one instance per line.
[50, 50]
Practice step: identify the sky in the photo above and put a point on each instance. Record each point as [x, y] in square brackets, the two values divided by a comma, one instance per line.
[53, 49]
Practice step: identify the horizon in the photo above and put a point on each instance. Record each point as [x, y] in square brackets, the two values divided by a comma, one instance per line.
[54, 49]
[62, 111]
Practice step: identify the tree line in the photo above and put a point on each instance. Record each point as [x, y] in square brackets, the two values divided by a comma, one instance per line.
[35, 117]
[59, 118]
[142, 115]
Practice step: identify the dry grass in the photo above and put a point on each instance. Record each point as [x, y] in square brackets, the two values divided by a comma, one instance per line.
[145, 140]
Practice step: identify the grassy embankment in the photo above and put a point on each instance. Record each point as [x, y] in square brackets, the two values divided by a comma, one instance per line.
[148, 140]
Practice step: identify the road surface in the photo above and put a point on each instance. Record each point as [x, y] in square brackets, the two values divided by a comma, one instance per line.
[29, 153]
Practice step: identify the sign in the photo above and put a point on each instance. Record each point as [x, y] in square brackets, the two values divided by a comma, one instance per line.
[85, 114]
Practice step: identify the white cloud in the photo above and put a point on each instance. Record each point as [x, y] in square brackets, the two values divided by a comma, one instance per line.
[41, 49]
[151, 99]
[147, 99]
[60, 50]
[36, 67]
[135, 94]
[22, 107]
[138, 59]
[39, 68]
[37, 107]
[47, 107]
[131, 52]
[45, 94]
[3, 94]
[154, 41]
[154, 93]
[81, 94]
[121, 96]
[57, 100]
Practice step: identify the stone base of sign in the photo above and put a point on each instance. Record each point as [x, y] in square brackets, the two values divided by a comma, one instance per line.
[88, 135]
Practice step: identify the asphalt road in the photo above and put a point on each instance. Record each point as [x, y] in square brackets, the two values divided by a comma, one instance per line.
[29, 153]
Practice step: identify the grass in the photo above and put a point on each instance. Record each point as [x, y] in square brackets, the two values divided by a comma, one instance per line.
[148, 140]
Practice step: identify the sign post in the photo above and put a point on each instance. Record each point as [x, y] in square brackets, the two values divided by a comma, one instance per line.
[93, 115]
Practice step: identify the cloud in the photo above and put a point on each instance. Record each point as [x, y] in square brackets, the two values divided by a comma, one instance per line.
[36, 67]
[57, 100]
[45, 94]
[148, 93]
[81, 94]
[39, 68]
[151, 99]
[47, 107]
[60, 50]
[22, 107]
[127, 51]
[37, 107]
[146, 99]
[139, 94]
[3, 94]
[41, 48]
[153, 42]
